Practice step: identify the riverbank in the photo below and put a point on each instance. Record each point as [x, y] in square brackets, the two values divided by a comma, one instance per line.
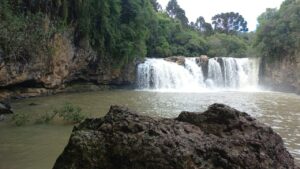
[17, 93]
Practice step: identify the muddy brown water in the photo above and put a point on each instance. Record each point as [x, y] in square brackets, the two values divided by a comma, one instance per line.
[38, 146]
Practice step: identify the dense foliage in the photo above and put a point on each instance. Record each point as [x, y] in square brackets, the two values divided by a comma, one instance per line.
[229, 23]
[121, 30]
[202, 26]
[172, 34]
[278, 34]
[22, 36]
[175, 11]
[118, 29]
[227, 45]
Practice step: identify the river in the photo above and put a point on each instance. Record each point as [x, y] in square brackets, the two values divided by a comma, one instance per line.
[164, 89]
[37, 146]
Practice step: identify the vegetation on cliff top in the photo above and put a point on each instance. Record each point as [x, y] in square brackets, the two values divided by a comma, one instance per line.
[121, 30]
[278, 34]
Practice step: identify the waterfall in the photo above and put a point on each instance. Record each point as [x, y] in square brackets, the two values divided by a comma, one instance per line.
[223, 74]
[215, 78]
[195, 70]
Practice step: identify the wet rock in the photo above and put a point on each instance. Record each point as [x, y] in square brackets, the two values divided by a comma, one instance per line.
[202, 61]
[180, 60]
[281, 75]
[5, 108]
[203, 58]
[2, 117]
[32, 104]
[221, 137]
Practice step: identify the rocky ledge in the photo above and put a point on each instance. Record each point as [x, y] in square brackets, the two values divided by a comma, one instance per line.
[218, 138]
[202, 61]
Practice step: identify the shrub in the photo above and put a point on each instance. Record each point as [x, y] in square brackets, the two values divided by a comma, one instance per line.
[45, 118]
[20, 119]
[70, 113]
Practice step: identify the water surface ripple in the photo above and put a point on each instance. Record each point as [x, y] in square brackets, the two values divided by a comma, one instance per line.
[37, 146]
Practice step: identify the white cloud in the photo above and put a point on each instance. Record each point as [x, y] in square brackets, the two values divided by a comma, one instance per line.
[249, 9]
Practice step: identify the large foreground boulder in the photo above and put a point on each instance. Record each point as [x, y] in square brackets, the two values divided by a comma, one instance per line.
[219, 138]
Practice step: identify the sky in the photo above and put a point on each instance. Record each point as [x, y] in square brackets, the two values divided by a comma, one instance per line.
[249, 9]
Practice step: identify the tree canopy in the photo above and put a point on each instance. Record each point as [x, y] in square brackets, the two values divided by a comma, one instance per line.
[175, 11]
[278, 33]
[119, 30]
[157, 7]
[229, 23]
[202, 26]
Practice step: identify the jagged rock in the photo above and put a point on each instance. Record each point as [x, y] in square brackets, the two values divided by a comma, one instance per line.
[180, 60]
[221, 137]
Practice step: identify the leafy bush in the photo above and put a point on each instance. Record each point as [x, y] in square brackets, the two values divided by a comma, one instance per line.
[20, 119]
[45, 118]
[70, 113]
[24, 37]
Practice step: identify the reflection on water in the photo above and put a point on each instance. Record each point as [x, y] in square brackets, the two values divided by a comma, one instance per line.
[37, 146]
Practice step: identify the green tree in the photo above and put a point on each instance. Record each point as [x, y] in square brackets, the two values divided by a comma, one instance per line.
[223, 45]
[162, 32]
[119, 31]
[229, 23]
[278, 33]
[269, 14]
[135, 17]
[157, 7]
[175, 11]
[202, 26]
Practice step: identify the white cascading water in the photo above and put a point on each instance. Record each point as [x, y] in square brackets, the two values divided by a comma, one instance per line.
[215, 77]
[160, 74]
[231, 75]
[223, 74]
[195, 70]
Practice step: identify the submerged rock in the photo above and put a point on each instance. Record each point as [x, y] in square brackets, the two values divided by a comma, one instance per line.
[221, 137]
[5, 108]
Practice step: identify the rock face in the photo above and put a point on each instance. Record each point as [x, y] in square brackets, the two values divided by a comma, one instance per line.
[203, 62]
[283, 75]
[66, 64]
[180, 60]
[221, 137]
